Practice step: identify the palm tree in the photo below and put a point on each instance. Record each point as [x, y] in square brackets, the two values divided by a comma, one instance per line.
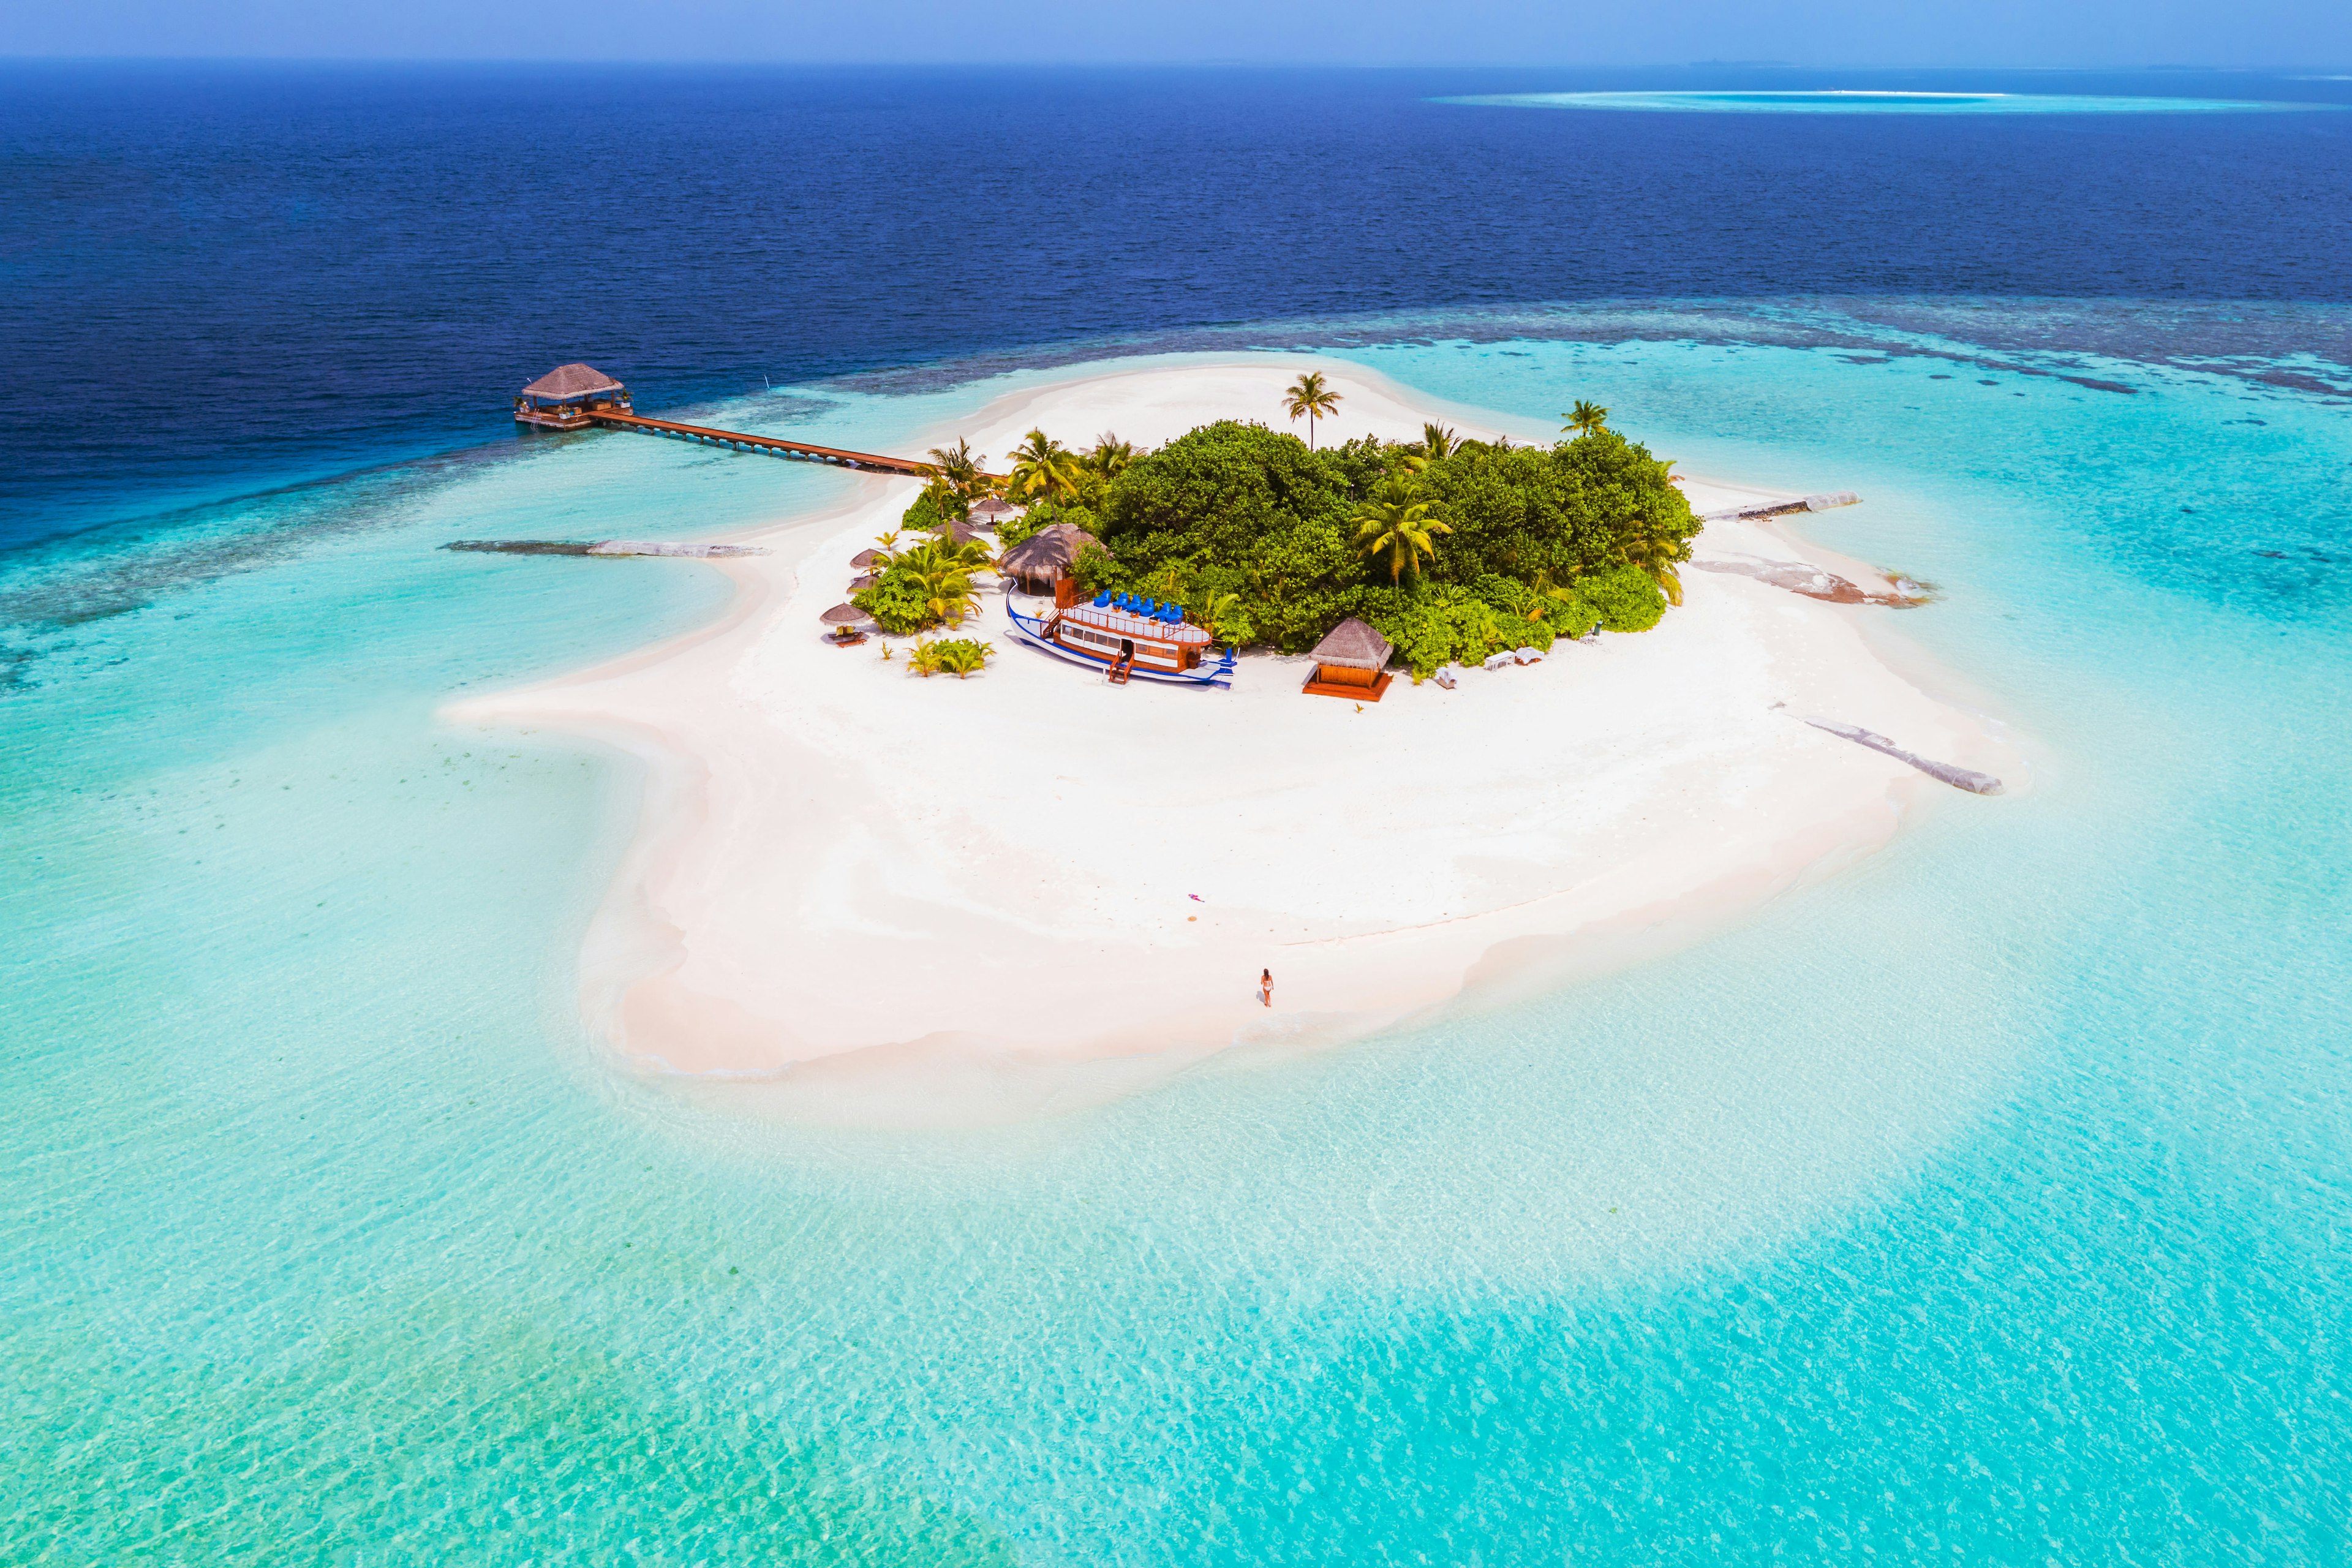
[1391, 523]
[1546, 592]
[958, 465]
[1657, 557]
[1111, 455]
[1586, 419]
[947, 595]
[1438, 441]
[1226, 617]
[940, 553]
[964, 655]
[1042, 469]
[1107, 460]
[1309, 396]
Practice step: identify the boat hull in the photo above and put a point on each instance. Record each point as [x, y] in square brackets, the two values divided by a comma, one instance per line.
[1031, 631]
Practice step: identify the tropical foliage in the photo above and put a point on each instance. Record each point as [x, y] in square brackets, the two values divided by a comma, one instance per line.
[1454, 549]
[933, 585]
[959, 657]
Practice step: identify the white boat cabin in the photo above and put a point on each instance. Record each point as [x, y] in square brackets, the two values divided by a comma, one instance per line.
[1125, 630]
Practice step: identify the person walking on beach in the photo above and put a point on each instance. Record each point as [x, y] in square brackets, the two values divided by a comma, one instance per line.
[1265, 987]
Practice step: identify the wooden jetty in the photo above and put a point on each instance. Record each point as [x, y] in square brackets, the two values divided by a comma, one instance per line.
[575, 397]
[799, 450]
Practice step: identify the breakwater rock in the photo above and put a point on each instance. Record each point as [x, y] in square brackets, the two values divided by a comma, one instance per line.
[1959, 778]
[1815, 584]
[604, 547]
[1823, 502]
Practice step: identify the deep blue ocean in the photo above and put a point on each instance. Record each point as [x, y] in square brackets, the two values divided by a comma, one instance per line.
[1987, 1203]
[213, 274]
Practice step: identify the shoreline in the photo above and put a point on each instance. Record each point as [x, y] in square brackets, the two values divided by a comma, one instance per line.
[841, 924]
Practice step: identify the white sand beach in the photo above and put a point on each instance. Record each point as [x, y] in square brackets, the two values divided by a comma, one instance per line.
[872, 898]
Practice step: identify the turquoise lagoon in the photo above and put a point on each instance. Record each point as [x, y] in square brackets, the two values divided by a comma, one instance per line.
[1987, 1203]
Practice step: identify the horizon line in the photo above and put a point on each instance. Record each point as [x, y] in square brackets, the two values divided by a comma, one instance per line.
[967, 63]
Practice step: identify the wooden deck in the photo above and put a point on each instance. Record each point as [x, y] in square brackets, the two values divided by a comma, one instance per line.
[1372, 693]
[799, 451]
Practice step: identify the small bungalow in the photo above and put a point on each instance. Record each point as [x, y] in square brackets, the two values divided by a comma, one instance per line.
[1041, 563]
[1350, 662]
[566, 397]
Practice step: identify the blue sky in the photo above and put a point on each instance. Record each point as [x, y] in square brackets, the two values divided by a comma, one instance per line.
[2292, 34]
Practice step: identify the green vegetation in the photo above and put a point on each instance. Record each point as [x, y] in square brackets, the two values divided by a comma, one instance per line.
[928, 586]
[957, 657]
[1453, 549]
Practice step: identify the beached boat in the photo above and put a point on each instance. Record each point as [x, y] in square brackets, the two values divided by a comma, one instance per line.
[1127, 638]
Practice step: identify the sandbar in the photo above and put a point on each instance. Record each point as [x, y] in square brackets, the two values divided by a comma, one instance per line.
[864, 897]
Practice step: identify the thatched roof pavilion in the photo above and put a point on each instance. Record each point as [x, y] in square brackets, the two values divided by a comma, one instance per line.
[1045, 557]
[569, 397]
[1350, 662]
[1352, 645]
[568, 382]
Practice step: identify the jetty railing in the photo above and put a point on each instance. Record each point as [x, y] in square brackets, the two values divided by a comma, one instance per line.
[799, 451]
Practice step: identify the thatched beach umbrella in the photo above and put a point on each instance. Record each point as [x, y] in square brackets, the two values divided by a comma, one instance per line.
[843, 615]
[993, 511]
[859, 585]
[962, 532]
[865, 558]
[1045, 556]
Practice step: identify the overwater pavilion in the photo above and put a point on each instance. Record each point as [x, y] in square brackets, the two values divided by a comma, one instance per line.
[566, 397]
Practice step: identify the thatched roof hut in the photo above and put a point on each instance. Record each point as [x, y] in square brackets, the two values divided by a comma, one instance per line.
[567, 381]
[1352, 645]
[1350, 662]
[1045, 556]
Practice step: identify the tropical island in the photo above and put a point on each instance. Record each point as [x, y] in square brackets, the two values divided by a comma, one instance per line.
[858, 896]
[1451, 548]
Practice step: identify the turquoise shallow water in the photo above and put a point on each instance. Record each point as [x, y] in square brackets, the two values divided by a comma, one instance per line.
[1985, 1204]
